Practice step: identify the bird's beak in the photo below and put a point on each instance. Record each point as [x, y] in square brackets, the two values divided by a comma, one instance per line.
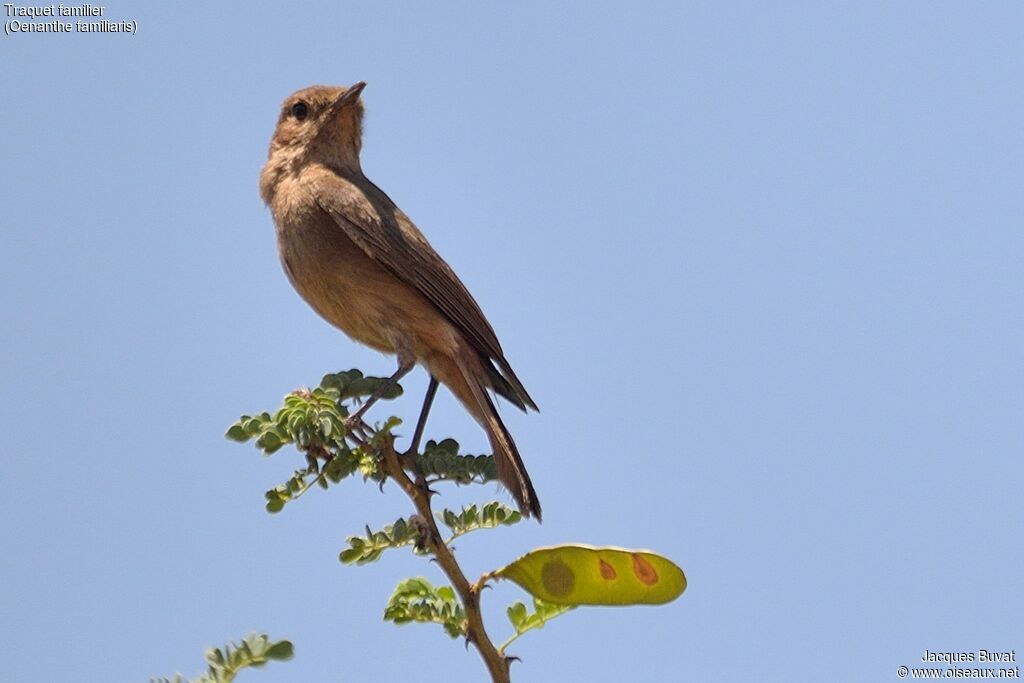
[349, 96]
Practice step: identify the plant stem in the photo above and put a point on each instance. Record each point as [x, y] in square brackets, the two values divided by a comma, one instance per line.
[508, 642]
[496, 662]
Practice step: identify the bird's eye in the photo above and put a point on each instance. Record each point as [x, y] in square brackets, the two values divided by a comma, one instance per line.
[300, 111]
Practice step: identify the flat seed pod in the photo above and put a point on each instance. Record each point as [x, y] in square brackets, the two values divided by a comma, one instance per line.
[577, 574]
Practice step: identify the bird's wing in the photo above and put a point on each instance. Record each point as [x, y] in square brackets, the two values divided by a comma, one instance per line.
[371, 220]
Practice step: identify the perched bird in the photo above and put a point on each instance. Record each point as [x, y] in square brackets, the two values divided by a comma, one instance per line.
[362, 265]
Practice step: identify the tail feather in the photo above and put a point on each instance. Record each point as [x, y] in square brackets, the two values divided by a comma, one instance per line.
[502, 386]
[517, 386]
[469, 380]
[511, 470]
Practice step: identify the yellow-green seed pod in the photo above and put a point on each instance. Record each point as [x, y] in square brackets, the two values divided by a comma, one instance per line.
[586, 575]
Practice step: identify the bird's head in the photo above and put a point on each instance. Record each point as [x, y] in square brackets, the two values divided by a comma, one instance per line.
[320, 123]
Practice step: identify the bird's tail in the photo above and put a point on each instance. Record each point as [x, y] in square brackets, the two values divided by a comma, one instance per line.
[467, 379]
[511, 470]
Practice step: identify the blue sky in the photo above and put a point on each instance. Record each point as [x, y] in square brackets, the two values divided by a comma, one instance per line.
[759, 266]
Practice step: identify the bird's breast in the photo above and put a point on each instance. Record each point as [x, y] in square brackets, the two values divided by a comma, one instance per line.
[348, 288]
[335, 277]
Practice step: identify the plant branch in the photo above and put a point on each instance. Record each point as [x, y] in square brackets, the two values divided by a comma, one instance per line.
[497, 664]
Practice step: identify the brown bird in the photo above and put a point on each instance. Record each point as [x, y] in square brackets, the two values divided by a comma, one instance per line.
[366, 269]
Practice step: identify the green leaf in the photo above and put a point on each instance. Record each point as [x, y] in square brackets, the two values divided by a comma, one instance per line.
[281, 651]
[399, 528]
[588, 575]
[351, 555]
[237, 433]
[331, 381]
[253, 425]
[449, 445]
[517, 615]
[269, 442]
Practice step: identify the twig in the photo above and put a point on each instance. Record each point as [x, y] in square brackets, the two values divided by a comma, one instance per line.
[496, 662]
[306, 487]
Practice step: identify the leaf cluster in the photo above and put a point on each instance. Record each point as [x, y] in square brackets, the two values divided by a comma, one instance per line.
[315, 421]
[523, 620]
[492, 515]
[351, 384]
[338, 466]
[418, 600]
[309, 419]
[442, 461]
[224, 664]
[368, 548]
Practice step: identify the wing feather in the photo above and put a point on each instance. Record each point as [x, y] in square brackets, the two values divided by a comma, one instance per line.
[373, 222]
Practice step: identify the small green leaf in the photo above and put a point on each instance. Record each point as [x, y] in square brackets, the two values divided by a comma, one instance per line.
[236, 433]
[351, 555]
[392, 392]
[516, 614]
[281, 651]
[269, 442]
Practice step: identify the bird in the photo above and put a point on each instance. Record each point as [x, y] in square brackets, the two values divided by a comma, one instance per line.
[364, 267]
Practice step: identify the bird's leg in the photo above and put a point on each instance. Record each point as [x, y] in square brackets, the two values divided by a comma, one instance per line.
[404, 366]
[428, 400]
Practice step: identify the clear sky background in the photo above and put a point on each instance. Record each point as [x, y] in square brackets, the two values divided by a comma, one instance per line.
[760, 267]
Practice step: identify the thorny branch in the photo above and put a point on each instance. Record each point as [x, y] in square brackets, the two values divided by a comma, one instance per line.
[418, 491]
